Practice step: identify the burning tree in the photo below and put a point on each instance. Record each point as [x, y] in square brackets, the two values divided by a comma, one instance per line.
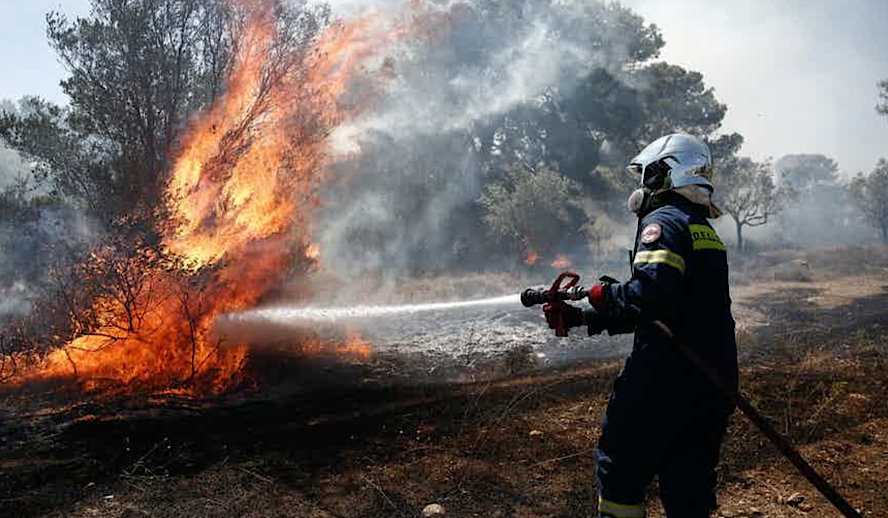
[871, 194]
[138, 71]
[216, 230]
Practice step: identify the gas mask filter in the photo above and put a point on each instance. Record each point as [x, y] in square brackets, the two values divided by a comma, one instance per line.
[637, 200]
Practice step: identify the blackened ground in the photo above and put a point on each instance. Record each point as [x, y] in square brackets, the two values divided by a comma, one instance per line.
[385, 437]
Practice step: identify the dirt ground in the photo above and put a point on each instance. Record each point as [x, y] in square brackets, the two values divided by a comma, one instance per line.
[341, 439]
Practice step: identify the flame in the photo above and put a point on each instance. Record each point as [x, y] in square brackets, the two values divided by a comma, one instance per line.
[531, 257]
[226, 203]
[562, 261]
[313, 251]
[240, 193]
[352, 346]
[239, 197]
[355, 346]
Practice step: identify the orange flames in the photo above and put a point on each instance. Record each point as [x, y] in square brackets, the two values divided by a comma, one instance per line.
[352, 347]
[561, 261]
[240, 193]
[531, 257]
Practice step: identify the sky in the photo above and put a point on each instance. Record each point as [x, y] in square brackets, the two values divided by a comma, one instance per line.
[29, 64]
[797, 75]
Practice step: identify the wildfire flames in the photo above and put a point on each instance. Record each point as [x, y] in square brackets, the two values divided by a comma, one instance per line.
[561, 261]
[243, 185]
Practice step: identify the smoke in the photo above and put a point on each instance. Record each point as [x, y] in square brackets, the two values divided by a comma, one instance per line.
[819, 211]
[13, 168]
[414, 165]
[35, 230]
[798, 76]
[824, 214]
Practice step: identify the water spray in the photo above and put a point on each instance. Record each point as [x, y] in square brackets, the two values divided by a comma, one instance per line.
[285, 315]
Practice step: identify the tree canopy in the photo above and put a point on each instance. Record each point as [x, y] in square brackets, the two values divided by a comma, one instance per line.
[805, 171]
[138, 70]
[535, 209]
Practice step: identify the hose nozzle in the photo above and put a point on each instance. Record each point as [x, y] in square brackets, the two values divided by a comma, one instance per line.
[534, 297]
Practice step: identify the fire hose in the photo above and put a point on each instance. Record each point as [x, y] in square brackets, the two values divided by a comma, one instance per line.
[560, 292]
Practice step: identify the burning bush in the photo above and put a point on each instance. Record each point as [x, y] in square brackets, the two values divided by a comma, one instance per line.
[129, 313]
[136, 310]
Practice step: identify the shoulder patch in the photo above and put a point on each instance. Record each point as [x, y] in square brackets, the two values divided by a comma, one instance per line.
[651, 233]
[705, 238]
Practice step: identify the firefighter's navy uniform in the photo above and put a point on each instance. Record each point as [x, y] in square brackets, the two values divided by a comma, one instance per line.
[664, 417]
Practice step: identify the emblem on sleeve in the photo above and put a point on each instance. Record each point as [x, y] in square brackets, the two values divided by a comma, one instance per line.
[651, 233]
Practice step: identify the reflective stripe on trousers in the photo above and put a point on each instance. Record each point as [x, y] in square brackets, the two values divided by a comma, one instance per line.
[610, 509]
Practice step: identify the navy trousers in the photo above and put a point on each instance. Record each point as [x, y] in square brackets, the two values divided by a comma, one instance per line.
[674, 432]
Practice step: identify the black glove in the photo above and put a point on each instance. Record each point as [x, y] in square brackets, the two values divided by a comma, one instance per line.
[596, 321]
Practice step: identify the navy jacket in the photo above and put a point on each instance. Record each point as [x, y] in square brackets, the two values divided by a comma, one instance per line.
[680, 277]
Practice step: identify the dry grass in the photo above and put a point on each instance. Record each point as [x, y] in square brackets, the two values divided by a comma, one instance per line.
[516, 447]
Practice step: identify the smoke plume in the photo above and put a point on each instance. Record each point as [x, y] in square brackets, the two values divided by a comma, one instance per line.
[405, 202]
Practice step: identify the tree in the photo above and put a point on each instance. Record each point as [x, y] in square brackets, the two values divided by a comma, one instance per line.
[677, 100]
[605, 120]
[532, 209]
[138, 70]
[821, 213]
[871, 194]
[747, 193]
[624, 101]
[66, 162]
[806, 171]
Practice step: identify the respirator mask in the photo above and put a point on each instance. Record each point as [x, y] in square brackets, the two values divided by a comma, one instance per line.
[654, 179]
[637, 201]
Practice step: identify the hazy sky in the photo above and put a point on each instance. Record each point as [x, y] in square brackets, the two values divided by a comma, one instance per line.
[797, 75]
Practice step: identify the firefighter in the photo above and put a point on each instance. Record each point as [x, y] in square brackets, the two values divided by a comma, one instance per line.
[663, 417]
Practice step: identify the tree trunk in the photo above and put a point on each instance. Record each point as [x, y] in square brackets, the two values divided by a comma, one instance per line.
[885, 234]
[739, 236]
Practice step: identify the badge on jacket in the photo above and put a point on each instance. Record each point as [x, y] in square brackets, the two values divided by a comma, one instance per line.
[651, 233]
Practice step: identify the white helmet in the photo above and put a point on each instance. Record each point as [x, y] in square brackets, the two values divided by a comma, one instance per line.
[672, 162]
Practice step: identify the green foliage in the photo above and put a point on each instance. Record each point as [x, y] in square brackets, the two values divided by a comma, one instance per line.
[677, 100]
[624, 102]
[137, 71]
[532, 209]
[723, 147]
[871, 194]
[66, 162]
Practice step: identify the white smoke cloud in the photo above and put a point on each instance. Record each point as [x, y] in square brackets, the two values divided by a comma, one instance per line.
[418, 136]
